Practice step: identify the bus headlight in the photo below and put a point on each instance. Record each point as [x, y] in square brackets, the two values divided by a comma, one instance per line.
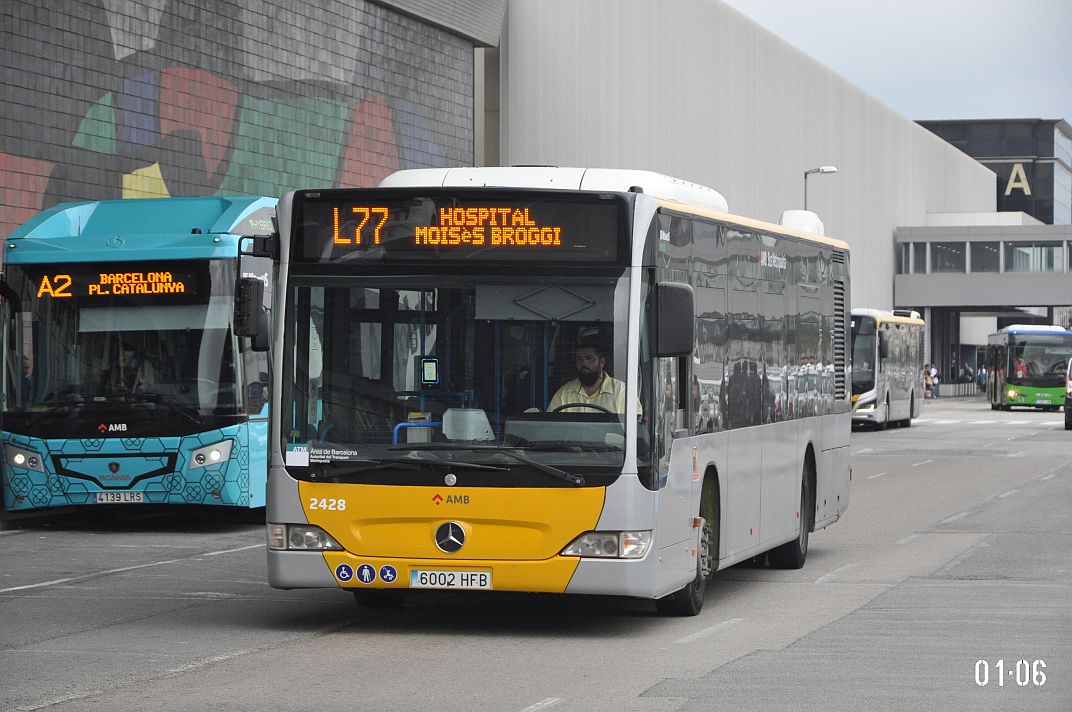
[610, 545]
[24, 459]
[300, 537]
[211, 454]
[1013, 393]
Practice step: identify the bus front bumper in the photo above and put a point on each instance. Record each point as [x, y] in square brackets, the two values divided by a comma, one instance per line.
[864, 410]
[560, 574]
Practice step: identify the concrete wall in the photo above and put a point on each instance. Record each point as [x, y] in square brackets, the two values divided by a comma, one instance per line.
[133, 98]
[694, 89]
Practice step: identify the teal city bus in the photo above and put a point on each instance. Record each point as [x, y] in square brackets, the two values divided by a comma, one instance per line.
[1026, 366]
[124, 381]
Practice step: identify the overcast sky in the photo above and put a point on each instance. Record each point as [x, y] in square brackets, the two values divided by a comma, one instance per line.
[938, 59]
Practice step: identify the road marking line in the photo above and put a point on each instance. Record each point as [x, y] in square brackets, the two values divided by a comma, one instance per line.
[231, 551]
[708, 631]
[955, 517]
[1008, 494]
[206, 662]
[543, 704]
[871, 477]
[61, 700]
[827, 577]
[922, 463]
[35, 585]
[905, 540]
[120, 570]
[13, 531]
[988, 445]
[1048, 477]
[983, 422]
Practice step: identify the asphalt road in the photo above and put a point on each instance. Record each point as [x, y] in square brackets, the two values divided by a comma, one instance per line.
[956, 548]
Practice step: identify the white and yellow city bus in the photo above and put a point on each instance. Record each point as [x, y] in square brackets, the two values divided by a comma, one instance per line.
[426, 325]
[887, 367]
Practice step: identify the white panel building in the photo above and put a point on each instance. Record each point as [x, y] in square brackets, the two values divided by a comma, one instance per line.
[694, 89]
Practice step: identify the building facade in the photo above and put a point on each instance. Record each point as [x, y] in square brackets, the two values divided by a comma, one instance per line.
[137, 98]
[1031, 157]
[695, 89]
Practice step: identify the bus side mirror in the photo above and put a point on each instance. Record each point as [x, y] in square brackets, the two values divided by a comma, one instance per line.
[883, 345]
[250, 319]
[675, 319]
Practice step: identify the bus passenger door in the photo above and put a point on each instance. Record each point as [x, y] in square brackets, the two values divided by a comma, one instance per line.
[672, 453]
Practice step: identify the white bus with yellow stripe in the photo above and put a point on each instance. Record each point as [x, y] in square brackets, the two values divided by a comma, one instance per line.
[426, 324]
[887, 367]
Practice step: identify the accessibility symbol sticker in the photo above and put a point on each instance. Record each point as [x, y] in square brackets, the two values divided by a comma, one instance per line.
[365, 573]
[343, 572]
[388, 574]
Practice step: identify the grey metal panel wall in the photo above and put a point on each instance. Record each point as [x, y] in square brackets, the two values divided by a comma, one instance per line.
[479, 20]
[694, 89]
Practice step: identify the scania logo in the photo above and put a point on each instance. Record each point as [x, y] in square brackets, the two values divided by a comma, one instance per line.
[450, 537]
[114, 467]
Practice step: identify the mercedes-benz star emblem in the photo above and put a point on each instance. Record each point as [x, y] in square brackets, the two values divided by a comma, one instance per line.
[450, 479]
[450, 537]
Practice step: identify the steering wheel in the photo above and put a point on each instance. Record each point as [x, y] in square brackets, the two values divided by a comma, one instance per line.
[593, 406]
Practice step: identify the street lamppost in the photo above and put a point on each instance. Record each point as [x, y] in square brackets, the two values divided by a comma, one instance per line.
[820, 169]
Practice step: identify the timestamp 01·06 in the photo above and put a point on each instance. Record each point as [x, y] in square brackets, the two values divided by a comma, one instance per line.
[1023, 672]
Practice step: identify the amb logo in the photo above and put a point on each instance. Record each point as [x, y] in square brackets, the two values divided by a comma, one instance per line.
[438, 499]
[112, 427]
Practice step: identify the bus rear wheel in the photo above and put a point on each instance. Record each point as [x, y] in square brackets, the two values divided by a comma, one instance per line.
[688, 601]
[791, 555]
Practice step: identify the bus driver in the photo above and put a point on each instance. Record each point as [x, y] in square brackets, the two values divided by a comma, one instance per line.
[593, 384]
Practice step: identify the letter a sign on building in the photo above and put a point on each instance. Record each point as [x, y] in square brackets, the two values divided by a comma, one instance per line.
[1018, 179]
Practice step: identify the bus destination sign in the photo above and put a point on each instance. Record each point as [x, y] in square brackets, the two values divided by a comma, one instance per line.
[142, 281]
[457, 226]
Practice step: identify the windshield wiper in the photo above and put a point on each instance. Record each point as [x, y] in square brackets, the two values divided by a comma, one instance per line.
[158, 399]
[542, 467]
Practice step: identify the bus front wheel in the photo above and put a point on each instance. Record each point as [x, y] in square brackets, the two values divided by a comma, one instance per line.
[689, 600]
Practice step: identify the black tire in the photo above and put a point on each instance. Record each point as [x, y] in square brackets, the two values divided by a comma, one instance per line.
[792, 554]
[886, 422]
[689, 600]
[907, 422]
[1068, 420]
[381, 598]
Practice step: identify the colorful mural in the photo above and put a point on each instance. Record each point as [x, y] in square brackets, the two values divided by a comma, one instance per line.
[99, 101]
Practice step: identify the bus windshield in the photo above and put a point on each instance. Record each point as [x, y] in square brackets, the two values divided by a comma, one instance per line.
[1039, 361]
[427, 373]
[863, 354]
[130, 339]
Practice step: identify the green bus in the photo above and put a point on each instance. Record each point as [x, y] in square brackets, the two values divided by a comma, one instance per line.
[1026, 366]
